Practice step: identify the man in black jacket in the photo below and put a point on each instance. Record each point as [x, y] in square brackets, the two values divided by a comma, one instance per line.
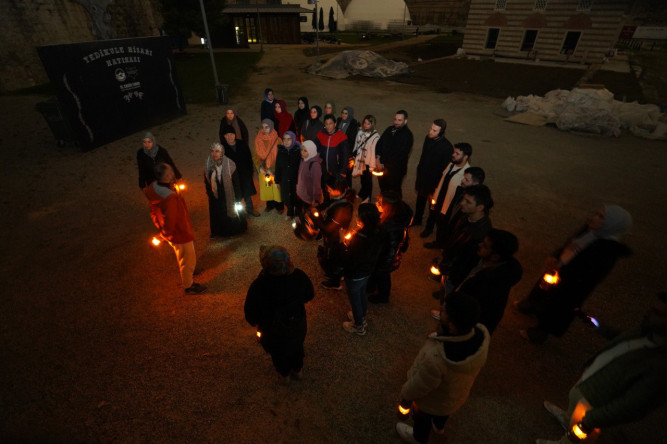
[436, 154]
[492, 279]
[392, 152]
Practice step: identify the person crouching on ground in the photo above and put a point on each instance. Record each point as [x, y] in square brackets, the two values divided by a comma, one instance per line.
[359, 259]
[445, 369]
[275, 305]
[170, 215]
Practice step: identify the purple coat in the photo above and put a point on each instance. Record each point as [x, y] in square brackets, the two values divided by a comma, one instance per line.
[308, 186]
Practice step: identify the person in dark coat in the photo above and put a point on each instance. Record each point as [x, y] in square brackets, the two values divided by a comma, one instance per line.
[349, 126]
[580, 265]
[335, 219]
[287, 172]
[239, 152]
[393, 151]
[231, 119]
[395, 220]
[224, 191]
[149, 157]
[359, 260]
[267, 108]
[436, 153]
[313, 125]
[301, 115]
[275, 306]
[492, 279]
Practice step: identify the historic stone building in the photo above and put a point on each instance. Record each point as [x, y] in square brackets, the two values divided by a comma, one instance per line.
[26, 24]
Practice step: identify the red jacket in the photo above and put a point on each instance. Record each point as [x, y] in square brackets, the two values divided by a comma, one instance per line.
[169, 213]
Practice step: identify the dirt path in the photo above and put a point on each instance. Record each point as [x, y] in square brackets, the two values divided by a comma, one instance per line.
[99, 344]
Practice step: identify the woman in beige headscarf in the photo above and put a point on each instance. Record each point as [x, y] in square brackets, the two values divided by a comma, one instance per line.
[266, 150]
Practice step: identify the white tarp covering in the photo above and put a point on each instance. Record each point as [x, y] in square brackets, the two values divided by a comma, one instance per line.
[365, 63]
[591, 110]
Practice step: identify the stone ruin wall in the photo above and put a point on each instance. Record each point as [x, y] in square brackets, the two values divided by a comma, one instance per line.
[26, 24]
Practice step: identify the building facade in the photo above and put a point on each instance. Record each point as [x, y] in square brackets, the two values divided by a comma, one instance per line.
[583, 31]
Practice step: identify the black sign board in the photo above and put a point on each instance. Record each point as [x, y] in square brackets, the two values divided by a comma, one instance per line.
[111, 88]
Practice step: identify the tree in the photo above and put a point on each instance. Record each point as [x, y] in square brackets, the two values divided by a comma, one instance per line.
[332, 21]
[314, 21]
[182, 17]
[320, 24]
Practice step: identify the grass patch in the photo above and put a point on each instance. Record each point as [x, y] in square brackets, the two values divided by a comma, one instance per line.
[196, 76]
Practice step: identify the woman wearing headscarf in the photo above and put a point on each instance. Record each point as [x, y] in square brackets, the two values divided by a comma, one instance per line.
[578, 267]
[287, 171]
[231, 119]
[301, 115]
[309, 182]
[330, 108]
[347, 123]
[313, 125]
[267, 108]
[149, 156]
[266, 151]
[284, 118]
[364, 156]
[239, 152]
[275, 306]
[224, 191]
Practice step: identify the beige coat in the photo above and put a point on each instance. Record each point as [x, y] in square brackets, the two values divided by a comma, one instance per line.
[440, 386]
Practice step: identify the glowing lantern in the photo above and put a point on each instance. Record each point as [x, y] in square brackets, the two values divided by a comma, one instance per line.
[549, 280]
[316, 213]
[294, 225]
[181, 186]
[435, 271]
[403, 410]
[238, 207]
[378, 173]
[351, 165]
[432, 201]
[348, 236]
[259, 334]
[155, 241]
[578, 432]
[268, 179]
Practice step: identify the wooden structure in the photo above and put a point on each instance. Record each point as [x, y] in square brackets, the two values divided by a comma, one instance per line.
[583, 31]
[272, 23]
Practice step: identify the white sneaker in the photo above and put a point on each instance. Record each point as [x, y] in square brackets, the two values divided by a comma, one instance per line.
[350, 316]
[405, 432]
[558, 413]
[435, 314]
[350, 327]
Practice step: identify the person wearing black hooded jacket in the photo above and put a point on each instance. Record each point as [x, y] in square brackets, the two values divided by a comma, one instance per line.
[395, 220]
[301, 115]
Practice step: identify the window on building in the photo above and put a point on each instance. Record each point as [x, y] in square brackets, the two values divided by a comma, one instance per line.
[540, 5]
[529, 37]
[584, 5]
[492, 38]
[570, 42]
[501, 4]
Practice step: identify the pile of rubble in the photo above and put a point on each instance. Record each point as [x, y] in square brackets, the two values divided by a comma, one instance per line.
[365, 63]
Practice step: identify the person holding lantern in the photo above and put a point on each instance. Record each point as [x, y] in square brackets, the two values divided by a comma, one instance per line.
[287, 172]
[223, 188]
[362, 250]
[573, 272]
[444, 370]
[275, 306]
[149, 156]
[266, 150]
[395, 220]
[392, 152]
[239, 152]
[620, 384]
[170, 215]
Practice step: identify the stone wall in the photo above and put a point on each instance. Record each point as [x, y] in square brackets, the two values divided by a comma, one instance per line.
[26, 24]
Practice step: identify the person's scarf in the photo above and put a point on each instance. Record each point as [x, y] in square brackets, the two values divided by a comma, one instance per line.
[265, 145]
[234, 123]
[266, 93]
[283, 117]
[153, 151]
[617, 221]
[311, 148]
[294, 141]
[227, 168]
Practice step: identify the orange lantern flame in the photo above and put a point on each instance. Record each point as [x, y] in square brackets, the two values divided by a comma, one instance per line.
[435, 271]
[378, 173]
[259, 334]
[155, 241]
[181, 186]
[551, 279]
[403, 410]
[576, 429]
[316, 214]
[348, 236]
[432, 201]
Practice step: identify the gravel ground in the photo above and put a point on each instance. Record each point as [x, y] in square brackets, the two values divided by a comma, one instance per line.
[100, 345]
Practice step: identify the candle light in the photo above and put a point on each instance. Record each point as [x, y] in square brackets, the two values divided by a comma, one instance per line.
[403, 410]
[549, 280]
[181, 186]
[378, 173]
[155, 241]
[578, 432]
[432, 201]
[435, 271]
[238, 207]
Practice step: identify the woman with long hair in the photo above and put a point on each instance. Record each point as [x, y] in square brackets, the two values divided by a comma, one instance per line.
[364, 156]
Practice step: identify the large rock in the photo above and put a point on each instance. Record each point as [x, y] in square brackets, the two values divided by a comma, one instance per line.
[365, 63]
